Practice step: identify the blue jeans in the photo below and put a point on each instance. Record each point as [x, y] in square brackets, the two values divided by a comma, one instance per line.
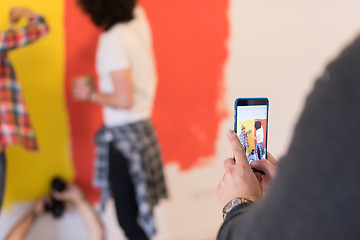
[2, 177]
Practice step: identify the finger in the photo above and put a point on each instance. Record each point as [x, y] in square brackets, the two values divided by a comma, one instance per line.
[271, 158]
[77, 92]
[258, 176]
[237, 148]
[79, 84]
[58, 195]
[42, 198]
[78, 87]
[263, 165]
[14, 20]
[228, 163]
[76, 83]
[47, 200]
[76, 95]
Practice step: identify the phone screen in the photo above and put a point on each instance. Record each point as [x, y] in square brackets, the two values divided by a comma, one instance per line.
[251, 126]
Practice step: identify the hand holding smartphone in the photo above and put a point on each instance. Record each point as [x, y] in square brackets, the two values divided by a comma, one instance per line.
[251, 126]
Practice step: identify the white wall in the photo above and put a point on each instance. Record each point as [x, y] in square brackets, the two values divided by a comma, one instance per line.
[277, 49]
[282, 46]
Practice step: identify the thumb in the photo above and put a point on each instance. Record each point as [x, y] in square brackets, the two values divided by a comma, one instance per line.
[271, 158]
[263, 165]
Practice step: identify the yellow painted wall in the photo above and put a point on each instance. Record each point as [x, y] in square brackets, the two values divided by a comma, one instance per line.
[40, 70]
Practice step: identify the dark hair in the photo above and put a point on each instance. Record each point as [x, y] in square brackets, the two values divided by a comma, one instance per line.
[257, 125]
[106, 13]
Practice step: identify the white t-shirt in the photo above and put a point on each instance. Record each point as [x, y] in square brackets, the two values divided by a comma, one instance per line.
[260, 135]
[128, 45]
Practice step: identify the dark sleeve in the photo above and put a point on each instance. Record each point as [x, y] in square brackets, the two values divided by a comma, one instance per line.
[315, 194]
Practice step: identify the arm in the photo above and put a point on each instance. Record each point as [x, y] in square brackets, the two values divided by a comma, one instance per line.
[313, 195]
[16, 38]
[92, 221]
[121, 98]
[87, 212]
[257, 137]
[22, 228]
[240, 182]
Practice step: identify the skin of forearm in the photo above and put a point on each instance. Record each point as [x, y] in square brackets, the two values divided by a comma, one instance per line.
[112, 100]
[20, 231]
[122, 96]
[92, 222]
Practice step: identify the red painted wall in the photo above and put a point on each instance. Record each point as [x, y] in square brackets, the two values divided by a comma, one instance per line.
[190, 46]
[84, 118]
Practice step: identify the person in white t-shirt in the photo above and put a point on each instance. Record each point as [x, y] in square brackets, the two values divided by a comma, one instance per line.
[128, 165]
[259, 140]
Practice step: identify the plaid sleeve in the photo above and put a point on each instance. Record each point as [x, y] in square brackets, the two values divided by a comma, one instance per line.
[16, 38]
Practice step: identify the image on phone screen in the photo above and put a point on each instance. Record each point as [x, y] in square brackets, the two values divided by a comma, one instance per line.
[251, 126]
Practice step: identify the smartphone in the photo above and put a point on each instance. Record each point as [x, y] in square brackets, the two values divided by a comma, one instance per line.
[251, 126]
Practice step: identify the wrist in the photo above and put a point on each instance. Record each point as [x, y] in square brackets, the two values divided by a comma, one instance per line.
[34, 214]
[238, 203]
[80, 200]
[27, 13]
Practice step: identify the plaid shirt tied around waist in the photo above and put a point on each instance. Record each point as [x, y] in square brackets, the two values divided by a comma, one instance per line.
[138, 143]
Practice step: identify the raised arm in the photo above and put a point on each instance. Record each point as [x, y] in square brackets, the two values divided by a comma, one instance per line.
[16, 38]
